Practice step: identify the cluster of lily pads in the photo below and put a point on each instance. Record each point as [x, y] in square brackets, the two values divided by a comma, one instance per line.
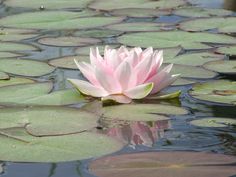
[41, 123]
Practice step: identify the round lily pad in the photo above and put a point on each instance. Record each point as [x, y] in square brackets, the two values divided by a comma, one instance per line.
[201, 12]
[219, 91]
[48, 4]
[141, 112]
[53, 20]
[168, 164]
[68, 41]
[37, 120]
[18, 146]
[182, 81]
[229, 50]
[10, 47]
[214, 122]
[15, 81]
[194, 59]
[138, 26]
[3, 76]
[25, 67]
[9, 55]
[170, 53]
[167, 39]
[68, 61]
[112, 4]
[139, 12]
[224, 25]
[86, 50]
[11, 34]
[16, 94]
[222, 66]
[98, 33]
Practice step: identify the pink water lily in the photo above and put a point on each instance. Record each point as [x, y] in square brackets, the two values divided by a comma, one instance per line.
[123, 75]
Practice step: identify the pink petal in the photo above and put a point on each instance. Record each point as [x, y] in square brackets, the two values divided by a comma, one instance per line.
[87, 88]
[133, 58]
[95, 58]
[139, 91]
[148, 51]
[123, 73]
[118, 98]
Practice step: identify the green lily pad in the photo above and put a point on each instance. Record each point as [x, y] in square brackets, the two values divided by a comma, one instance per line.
[141, 112]
[37, 120]
[18, 146]
[181, 81]
[62, 97]
[194, 59]
[16, 94]
[214, 122]
[15, 81]
[112, 4]
[86, 50]
[229, 50]
[219, 91]
[68, 41]
[139, 12]
[53, 20]
[25, 67]
[201, 12]
[167, 39]
[224, 25]
[139, 26]
[3, 76]
[170, 53]
[164, 163]
[48, 4]
[10, 47]
[164, 96]
[9, 55]
[222, 66]
[68, 61]
[98, 33]
[9, 34]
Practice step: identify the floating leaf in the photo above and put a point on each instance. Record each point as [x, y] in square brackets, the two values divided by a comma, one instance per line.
[15, 81]
[10, 46]
[11, 34]
[219, 91]
[224, 25]
[164, 96]
[139, 12]
[25, 67]
[18, 146]
[48, 4]
[170, 53]
[229, 50]
[141, 112]
[168, 164]
[68, 61]
[98, 33]
[222, 66]
[180, 81]
[3, 76]
[85, 50]
[166, 39]
[9, 55]
[194, 59]
[112, 4]
[68, 41]
[53, 20]
[214, 122]
[201, 12]
[16, 94]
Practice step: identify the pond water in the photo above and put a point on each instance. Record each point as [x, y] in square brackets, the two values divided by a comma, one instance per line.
[175, 134]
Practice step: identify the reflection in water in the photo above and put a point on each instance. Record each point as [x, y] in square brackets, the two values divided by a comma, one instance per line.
[139, 133]
[230, 4]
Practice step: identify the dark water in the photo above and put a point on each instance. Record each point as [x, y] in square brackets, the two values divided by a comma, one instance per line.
[178, 135]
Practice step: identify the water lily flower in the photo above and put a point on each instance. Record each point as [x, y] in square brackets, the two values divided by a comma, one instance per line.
[122, 75]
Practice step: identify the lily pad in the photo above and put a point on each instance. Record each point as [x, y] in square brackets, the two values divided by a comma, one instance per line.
[68, 41]
[164, 96]
[139, 12]
[214, 122]
[48, 4]
[194, 59]
[68, 61]
[62, 97]
[16, 94]
[11, 47]
[11, 34]
[201, 12]
[167, 39]
[98, 33]
[181, 81]
[224, 25]
[222, 66]
[9, 55]
[15, 81]
[3, 76]
[219, 91]
[168, 164]
[112, 4]
[53, 20]
[170, 53]
[229, 50]
[85, 50]
[139, 26]
[37, 120]
[141, 112]
[25, 67]
[19, 146]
